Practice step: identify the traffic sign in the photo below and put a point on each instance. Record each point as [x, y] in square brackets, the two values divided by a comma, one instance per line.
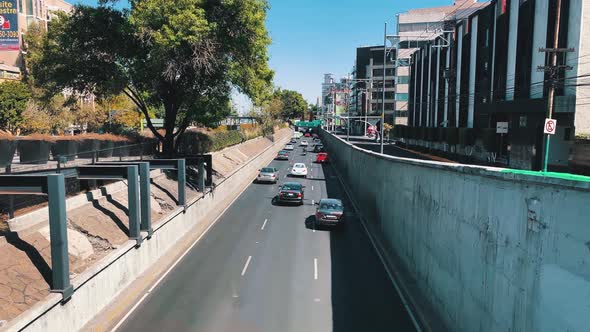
[501, 127]
[550, 126]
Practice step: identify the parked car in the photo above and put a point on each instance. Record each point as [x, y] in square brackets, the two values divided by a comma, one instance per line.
[282, 155]
[299, 169]
[318, 148]
[304, 143]
[268, 175]
[289, 147]
[307, 135]
[329, 212]
[293, 140]
[322, 157]
[291, 192]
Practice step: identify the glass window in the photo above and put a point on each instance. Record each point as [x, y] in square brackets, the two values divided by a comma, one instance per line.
[29, 7]
[401, 96]
[403, 80]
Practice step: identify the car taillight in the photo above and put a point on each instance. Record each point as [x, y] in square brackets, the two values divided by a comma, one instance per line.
[299, 195]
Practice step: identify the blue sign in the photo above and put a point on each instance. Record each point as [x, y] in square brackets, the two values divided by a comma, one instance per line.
[9, 26]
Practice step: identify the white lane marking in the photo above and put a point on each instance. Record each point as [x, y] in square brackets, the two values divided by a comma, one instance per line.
[246, 265]
[178, 260]
[316, 300]
[312, 202]
[315, 268]
[130, 312]
[263, 225]
[311, 188]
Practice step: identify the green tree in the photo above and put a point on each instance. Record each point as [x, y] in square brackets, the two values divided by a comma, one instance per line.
[14, 96]
[294, 105]
[182, 56]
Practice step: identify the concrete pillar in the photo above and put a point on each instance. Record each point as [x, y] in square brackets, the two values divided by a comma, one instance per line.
[415, 72]
[512, 46]
[472, 67]
[429, 83]
[493, 69]
[421, 85]
[579, 38]
[58, 233]
[447, 66]
[458, 75]
[539, 41]
[436, 84]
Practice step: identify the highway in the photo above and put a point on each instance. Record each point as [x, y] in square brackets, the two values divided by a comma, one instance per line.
[264, 267]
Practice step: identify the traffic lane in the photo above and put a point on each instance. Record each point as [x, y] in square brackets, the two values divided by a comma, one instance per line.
[363, 296]
[208, 277]
[277, 289]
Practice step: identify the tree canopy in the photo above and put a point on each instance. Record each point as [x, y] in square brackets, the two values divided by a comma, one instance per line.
[294, 105]
[183, 56]
[13, 102]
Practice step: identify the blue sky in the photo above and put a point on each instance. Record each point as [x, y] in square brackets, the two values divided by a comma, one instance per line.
[313, 37]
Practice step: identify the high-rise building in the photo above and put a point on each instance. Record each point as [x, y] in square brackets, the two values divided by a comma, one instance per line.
[416, 28]
[16, 16]
[492, 72]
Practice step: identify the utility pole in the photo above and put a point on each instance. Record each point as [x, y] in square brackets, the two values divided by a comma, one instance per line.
[553, 69]
[383, 92]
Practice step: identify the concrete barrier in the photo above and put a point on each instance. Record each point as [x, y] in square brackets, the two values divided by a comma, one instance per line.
[489, 250]
[95, 288]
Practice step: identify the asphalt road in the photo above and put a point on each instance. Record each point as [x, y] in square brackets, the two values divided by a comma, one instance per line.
[263, 267]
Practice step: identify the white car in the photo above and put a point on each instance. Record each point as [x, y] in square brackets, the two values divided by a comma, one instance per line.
[289, 147]
[304, 143]
[299, 169]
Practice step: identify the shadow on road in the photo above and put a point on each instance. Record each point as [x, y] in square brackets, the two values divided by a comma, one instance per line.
[363, 296]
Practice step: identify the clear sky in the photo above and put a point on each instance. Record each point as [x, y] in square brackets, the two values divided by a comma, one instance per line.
[313, 37]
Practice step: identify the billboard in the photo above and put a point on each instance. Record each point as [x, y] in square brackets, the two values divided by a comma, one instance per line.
[9, 40]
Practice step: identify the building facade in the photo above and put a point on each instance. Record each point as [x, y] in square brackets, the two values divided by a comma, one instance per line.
[15, 18]
[367, 82]
[335, 99]
[493, 70]
[416, 28]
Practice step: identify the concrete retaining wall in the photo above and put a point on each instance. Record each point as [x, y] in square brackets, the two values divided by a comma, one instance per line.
[98, 286]
[488, 250]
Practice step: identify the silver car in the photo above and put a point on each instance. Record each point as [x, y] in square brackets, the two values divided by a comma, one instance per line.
[268, 175]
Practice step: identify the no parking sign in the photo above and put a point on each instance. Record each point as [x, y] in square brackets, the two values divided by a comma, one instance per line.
[550, 126]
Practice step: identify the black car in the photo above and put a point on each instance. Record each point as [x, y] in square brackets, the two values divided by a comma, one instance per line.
[330, 212]
[291, 192]
[318, 148]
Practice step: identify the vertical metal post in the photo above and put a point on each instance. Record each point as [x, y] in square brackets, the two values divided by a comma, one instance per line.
[181, 182]
[553, 82]
[383, 94]
[201, 176]
[58, 232]
[133, 199]
[146, 205]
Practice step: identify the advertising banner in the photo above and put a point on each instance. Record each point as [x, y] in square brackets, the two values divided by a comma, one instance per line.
[8, 26]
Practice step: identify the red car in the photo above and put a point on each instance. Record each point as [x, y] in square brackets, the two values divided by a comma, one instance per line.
[307, 135]
[322, 157]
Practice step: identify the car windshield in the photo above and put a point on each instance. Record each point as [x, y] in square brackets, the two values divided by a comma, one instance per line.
[291, 186]
[331, 206]
[267, 170]
[299, 166]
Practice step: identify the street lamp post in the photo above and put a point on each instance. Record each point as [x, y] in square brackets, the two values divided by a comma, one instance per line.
[383, 92]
